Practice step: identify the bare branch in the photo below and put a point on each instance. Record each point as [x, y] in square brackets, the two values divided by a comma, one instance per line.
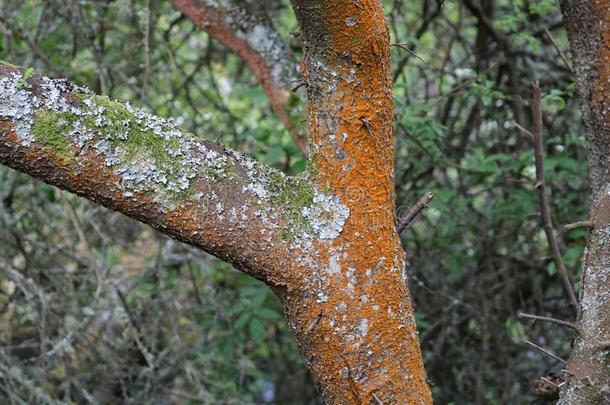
[579, 224]
[524, 130]
[407, 47]
[545, 207]
[544, 351]
[558, 49]
[549, 319]
[406, 220]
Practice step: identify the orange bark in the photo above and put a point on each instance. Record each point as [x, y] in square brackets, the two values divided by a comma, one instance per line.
[357, 332]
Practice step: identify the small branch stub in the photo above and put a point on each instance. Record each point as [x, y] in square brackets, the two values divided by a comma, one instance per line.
[406, 220]
[579, 224]
[544, 351]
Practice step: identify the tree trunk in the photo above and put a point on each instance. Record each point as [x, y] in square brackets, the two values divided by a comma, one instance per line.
[353, 318]
[588, 25]
[324, 241]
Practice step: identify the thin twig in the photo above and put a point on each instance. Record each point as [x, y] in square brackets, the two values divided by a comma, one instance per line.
[137, 331]
[545, 207]
[406, 48]
[406, 220]
[546, 380]
[549, 319]
[520, 128]
[76, 223]
[297, 84]
[545, 351]
[579, 224]
[558, 49]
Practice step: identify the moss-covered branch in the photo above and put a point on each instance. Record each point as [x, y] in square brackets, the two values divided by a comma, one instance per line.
[195, 190]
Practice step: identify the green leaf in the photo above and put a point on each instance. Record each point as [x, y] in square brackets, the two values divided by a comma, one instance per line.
[516, 330]
[274, 155]
[228, 349]
[242, 320]
[268, 313]
[551, 269]
[257, 330]
[259, 297]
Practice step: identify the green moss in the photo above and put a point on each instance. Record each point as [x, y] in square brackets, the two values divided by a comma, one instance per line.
[293, 194]
[50, 128]
[123, 130]
[29, 72]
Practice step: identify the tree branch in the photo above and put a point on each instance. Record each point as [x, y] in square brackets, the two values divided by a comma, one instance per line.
[257, 43]
[405, 221]
[196, 191]
[567, 324]
[544, 351]
[545, 207]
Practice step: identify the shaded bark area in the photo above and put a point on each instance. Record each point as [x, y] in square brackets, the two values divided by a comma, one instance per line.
[588, 25]
[256, 42]
[358, 334]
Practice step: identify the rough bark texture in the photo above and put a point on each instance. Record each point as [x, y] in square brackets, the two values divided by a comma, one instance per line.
[357, 331]
[588, 25]
[325, 241]
[196, 191]
[256, 42]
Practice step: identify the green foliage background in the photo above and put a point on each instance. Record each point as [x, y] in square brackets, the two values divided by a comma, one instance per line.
[97, 308]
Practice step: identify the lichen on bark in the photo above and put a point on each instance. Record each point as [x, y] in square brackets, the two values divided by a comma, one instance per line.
[153, 156]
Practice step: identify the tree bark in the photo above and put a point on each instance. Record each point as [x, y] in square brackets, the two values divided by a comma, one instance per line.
[588, 26]
[354, 322]
[324, 241]
[198, 192]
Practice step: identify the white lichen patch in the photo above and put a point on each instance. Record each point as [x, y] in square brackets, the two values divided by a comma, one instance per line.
[264, 40]
[18, 105]
[257, 188]
[322, 298]
[596, 294]
[326, 215]
[350, 274]
[151, 154]
[363, 328]
[334, 265]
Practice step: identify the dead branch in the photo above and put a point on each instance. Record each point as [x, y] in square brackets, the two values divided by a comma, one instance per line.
[544, 351]
[549, 319]
[406, 220]
[545, 206]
